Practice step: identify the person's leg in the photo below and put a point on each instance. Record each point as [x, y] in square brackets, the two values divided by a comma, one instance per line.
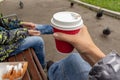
[71, 68]
[44, 29]
[36, 43]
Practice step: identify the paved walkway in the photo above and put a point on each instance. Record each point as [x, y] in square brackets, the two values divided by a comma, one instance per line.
[41, 11]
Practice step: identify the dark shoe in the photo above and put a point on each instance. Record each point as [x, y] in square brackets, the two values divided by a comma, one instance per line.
[49, 63]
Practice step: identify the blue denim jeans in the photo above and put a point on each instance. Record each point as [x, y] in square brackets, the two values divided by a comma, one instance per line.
[35, 42]
[44, 29]
[71, 68]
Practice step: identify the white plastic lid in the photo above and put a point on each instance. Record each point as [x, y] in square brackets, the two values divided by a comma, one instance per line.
[67, 20]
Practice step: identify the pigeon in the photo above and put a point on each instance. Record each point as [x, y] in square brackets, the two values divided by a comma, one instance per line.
[21, 5]
[71, 4]
[99, 14]
[106, 31]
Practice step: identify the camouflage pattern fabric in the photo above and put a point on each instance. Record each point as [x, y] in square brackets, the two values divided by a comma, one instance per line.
[9, 40]
[11, 32]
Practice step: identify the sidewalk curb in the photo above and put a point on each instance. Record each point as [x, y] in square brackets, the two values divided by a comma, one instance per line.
[95, 8]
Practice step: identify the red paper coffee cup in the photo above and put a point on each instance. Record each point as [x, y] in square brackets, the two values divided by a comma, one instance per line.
[69, 23]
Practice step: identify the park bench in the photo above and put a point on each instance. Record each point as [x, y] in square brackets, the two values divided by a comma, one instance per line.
[34, 70]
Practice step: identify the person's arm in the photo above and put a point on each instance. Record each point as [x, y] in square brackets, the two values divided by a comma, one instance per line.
[92, 54]
[84, 45]
[10, 36]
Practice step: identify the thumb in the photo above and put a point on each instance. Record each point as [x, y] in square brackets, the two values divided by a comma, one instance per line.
[62, 36]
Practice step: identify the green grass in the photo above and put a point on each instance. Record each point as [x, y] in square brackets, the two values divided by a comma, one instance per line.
[108, 4]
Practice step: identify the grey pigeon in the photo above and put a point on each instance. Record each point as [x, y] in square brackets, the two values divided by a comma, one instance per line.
[21, 4]
[71, 4]
[106, 31]
[99, 14]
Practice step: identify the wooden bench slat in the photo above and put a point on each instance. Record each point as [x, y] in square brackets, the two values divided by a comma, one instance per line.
[26, 76]
[44, 77]
[11, 59]
[34, 70]
[32, 67]
[20, 57]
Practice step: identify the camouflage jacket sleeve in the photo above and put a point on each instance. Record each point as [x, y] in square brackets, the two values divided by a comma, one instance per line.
[11, 36]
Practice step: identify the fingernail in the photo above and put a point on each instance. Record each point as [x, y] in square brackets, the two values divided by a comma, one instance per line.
[55, 34]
